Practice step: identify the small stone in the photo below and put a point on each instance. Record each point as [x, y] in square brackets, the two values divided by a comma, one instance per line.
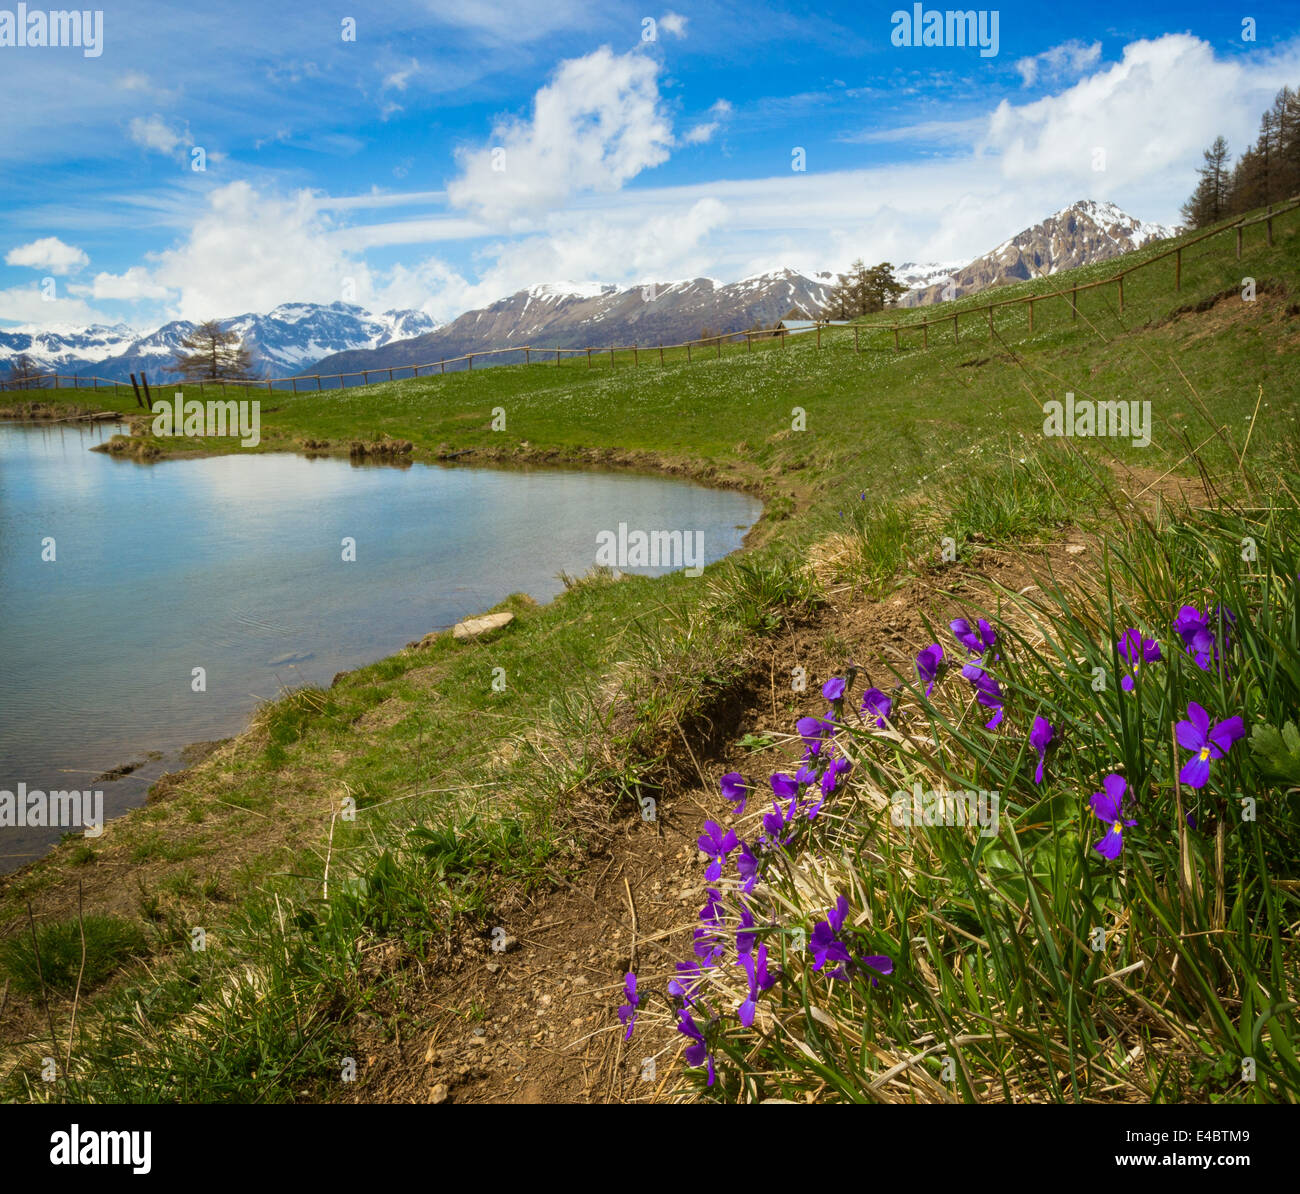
[480, 1032]
[494, 967]
[439, 1093]
[473, 627]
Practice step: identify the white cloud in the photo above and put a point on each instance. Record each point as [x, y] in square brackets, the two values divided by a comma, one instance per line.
[674, 23]
[596, 125]
[1069, 59]
[49, 254]
[154, 133]
[132, 286]
[700, 133]
[25, 305]
[398, 79]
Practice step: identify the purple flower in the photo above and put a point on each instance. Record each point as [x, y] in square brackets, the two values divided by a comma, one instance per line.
[1039, 736]
[775, 821]
[760, 980]
[708, 948]
[824, 945]
[831, 778]
[880, 962]
[927, 665]
[807, 774]
[987, 692]
[833, 689]
[784, 786]
[734, 789]
[693, 974]
[1108, 805]
[717, 845]
[697, 1054]
[627, 1013]
[878, 704]
[1196, 734]
[745, 934]
[976, 641]
[1137, 650]
[814, 731]
[747, 865]
[1198, 633]
[711, 913]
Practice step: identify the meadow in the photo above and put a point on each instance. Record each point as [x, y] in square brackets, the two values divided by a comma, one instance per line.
[406, 810]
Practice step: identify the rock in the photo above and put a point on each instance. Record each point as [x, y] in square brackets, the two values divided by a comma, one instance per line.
[473, 627]
[439, 1093]
[494, 967]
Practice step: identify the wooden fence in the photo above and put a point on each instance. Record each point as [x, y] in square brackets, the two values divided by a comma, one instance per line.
[656, 352]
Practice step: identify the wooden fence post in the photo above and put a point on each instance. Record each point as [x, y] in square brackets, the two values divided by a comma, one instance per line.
[294, 380]
[897, 346]
[390, 377]
[588, 356]
[688, 352]
[1074, 303]
[856, 348]
[719, 347]
[528, 356]
[749, 342]
[1178, 269]
[1238, 242]
[1121, 294]
[925, 333]
[819, 335]
[443, 363]
[956, 335]
[471, 360]
[661, 353]
[636, 359]
[1269, 224]
[1031, 316]
[783, 336]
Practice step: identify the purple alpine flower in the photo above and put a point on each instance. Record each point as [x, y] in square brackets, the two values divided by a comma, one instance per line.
[717, 845]
[689, 977]
[1108, 807]
[1199, 633]
[881, 963]
[987, 692]
[735, 789]
[711, 913]
[760, 980]
[1137, 651]
[877, 704]
[977, 641]
[814, 731]
[1039, 736]
[824, 945]
[1209, 742]
[775, 821]
[831, 778]
[627, 1013]
[708, 948]
[747, 865]
[745, 935]
[928, 662]
[697, 1054]
[833, 689]
[784, 786]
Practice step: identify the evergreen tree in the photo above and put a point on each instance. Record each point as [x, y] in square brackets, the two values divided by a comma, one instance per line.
[1209, 202]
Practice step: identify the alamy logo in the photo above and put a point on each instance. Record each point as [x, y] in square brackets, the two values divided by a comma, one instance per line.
[57, 29]
[196, 418]
[919, 808]
[949, 27]
[58, 810]
[651, 549]
[76, 1147]
[1123, 420]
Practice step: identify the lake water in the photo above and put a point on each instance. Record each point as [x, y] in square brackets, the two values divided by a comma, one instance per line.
[234, 564]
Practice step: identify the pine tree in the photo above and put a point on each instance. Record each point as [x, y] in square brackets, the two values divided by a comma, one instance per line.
[210, 353]
[1209, 202]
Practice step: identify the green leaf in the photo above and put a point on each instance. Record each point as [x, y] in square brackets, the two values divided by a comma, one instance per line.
[1277, 751]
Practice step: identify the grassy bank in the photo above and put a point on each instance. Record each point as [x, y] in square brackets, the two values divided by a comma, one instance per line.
[876, 467]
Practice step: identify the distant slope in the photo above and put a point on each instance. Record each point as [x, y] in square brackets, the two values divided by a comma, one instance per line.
[559, 317]
[1080, 234]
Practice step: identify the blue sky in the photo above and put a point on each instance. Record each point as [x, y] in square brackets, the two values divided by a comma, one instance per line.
[455, 152]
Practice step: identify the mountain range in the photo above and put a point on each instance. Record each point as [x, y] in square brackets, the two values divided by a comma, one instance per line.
[285, 340]
[307, 338]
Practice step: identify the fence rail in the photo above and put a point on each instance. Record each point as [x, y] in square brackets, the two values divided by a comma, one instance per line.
[91, 382]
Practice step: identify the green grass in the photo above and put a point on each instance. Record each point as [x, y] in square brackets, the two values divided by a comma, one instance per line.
[462, 791]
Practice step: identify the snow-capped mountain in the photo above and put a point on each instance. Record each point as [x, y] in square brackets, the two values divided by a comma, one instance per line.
[283, 341]
[578, 315]
[1080, 234]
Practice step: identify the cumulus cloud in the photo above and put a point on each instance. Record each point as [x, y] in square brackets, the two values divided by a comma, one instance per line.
[134, 285]
[596, 125]
[1068, 60]
[674, 23]
[27, 305]
[153, 132]
[1151, 113]
[49, 254]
